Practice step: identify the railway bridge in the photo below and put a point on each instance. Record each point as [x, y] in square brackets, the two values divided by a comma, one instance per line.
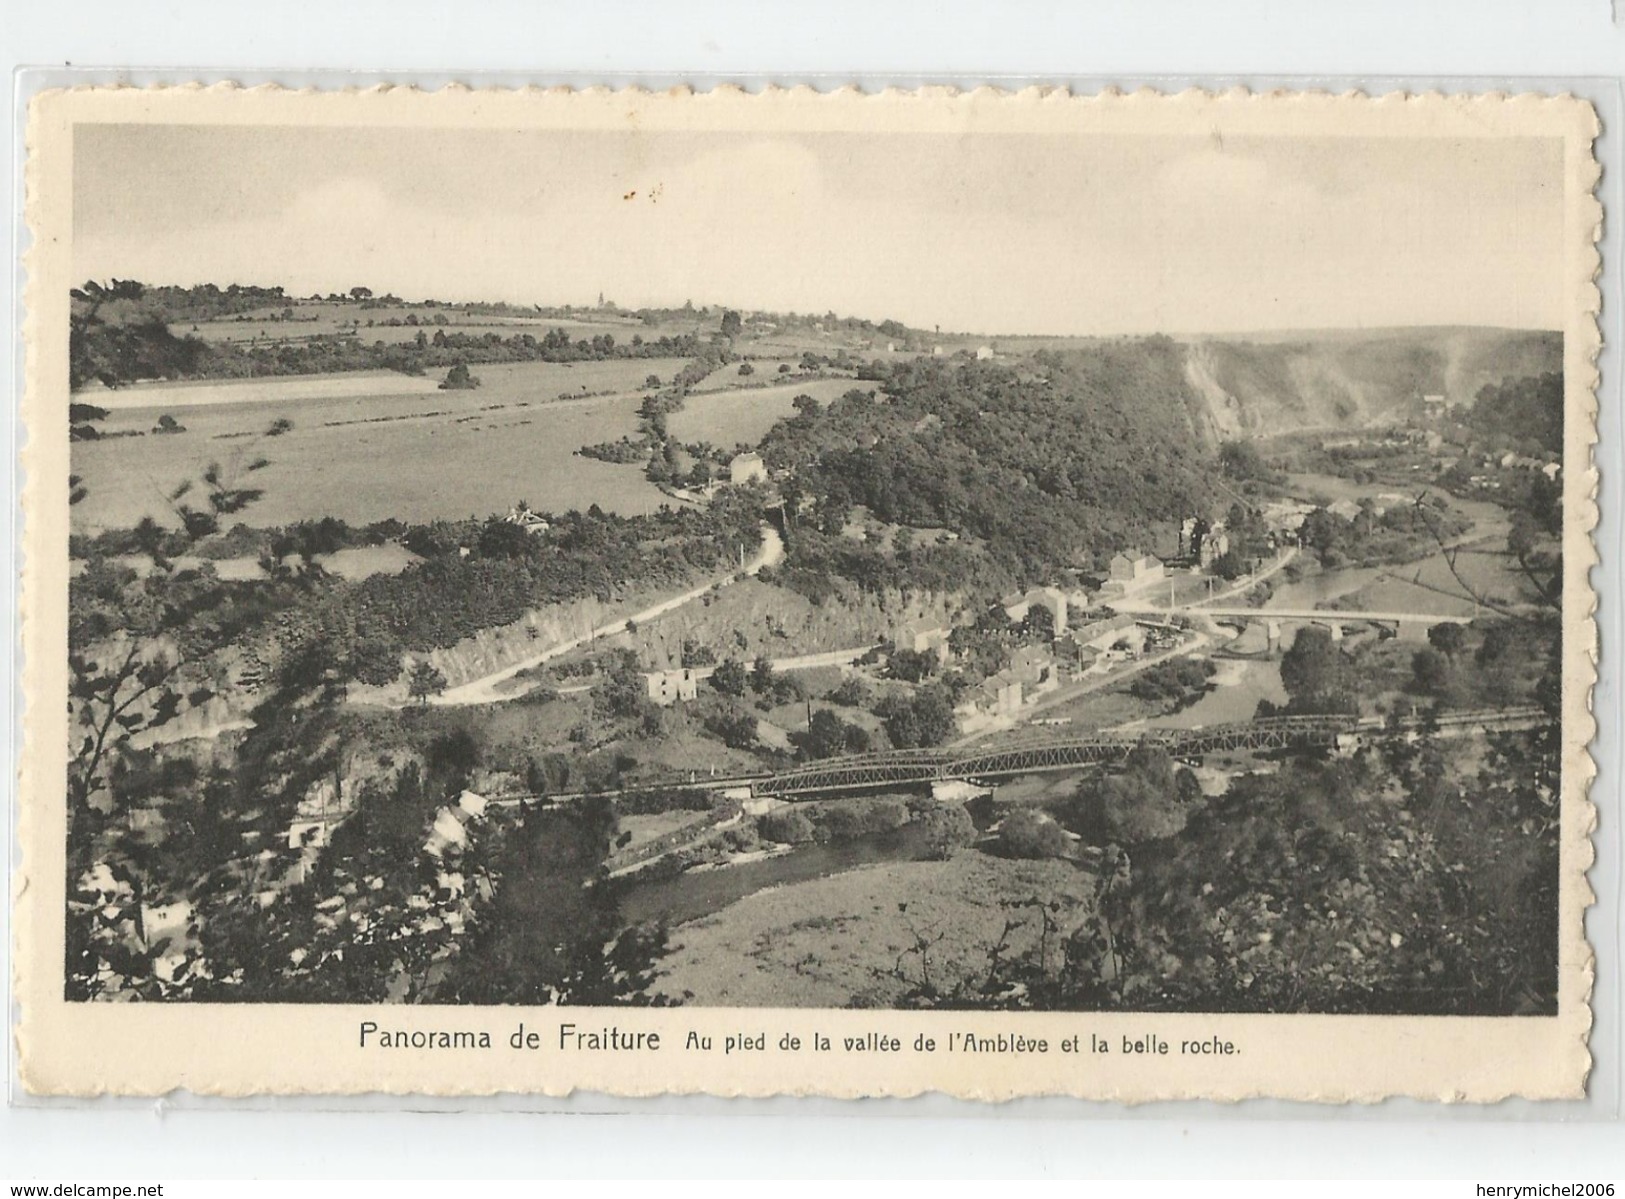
[1038, 754]
[1035, 752]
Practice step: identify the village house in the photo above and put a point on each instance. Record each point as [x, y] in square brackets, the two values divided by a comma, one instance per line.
[1136, 568]
[1347, 509]
[521, 515]
[747, 468]
[1035, 667]
[922, 637]
[1019, 605]
[450, 828]
[1084, 646]
[984, 353]
[1286, 516]
[997, 695]
[1214, 546]
[667, 687]
[1129, 573]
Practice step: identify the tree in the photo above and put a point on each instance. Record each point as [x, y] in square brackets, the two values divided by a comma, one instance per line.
[360, 293]
[851, 692]
[734, 728]
[828, 736]
[458, 379]
[1240, 460]
[697, 654]
[913, 666]
[1147, 801]
[1430, 671]
[786, 826]
[652, 381]
[944, 828]
[922, 720]
[746, 370]
[1448, 639]
[761, 675]
[1028, 833]
[732, 326]
[729, 677]
[424, 681]
[1315, 673]
[1229, 566]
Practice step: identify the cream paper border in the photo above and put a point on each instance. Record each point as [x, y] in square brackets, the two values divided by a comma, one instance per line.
[149, 1049]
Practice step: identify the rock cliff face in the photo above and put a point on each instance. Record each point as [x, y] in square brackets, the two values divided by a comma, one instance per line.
[1345, 379]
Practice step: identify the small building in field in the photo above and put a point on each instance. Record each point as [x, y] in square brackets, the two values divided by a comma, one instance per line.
[984, 353]
[747, 468]
[667, 687]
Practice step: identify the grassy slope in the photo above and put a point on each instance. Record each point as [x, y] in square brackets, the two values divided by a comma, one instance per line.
[820, 943]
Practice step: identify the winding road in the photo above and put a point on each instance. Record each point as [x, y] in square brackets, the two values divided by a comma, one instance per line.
[484, 690]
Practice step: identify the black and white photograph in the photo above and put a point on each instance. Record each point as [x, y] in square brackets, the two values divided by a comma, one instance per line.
[1095, 568]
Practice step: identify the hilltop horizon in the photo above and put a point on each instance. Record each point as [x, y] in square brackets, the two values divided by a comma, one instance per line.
[610, 307]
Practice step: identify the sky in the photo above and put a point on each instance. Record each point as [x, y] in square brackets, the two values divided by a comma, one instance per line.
[981, 232]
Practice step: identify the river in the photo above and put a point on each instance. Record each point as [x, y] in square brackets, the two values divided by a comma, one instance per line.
[1426, 585]
[696, 893]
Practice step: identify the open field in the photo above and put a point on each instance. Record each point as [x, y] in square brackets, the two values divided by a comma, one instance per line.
[745, 414]
[326, 318]
[146, 401]
[472, 452]
[820, 943]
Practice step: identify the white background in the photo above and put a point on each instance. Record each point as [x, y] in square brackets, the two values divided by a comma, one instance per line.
[873, 43]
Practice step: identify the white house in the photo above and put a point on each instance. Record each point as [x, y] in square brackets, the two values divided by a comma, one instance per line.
[521, 515]
[667, 687]
[747, 468]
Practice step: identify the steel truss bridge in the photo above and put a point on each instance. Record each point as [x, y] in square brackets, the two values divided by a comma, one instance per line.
[1036, 755]
[1031, 752]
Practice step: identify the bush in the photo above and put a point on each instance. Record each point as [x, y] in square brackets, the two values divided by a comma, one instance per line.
[852, 692]
[729, 677]
[786, 825]
[946, 827]
[458, 379]
[1176, 679]
[735, 729]
[846, 819]
[1026, 833]
[913, 666]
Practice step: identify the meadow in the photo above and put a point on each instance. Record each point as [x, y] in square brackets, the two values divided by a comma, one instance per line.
[326, 318]
[384, 447]
[831, 941]
[372, 445]
[745, 414]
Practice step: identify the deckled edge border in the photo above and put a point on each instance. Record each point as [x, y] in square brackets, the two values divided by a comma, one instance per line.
[1581, 652]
